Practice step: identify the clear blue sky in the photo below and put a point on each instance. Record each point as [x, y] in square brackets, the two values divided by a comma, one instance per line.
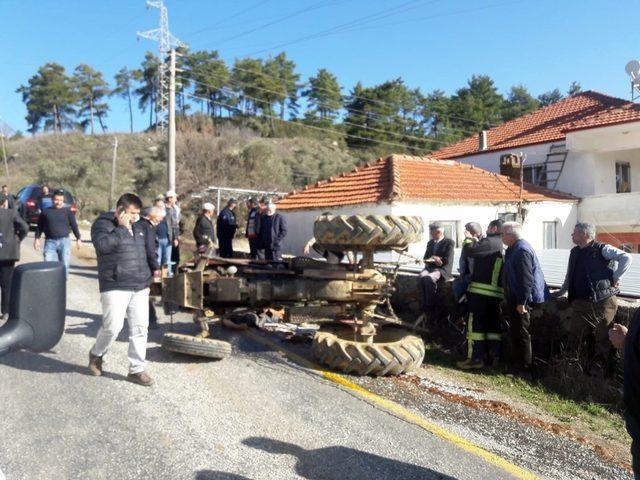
[431, 44]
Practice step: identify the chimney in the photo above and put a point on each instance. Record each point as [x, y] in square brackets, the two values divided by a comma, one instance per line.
[510, 165]
[482, 137]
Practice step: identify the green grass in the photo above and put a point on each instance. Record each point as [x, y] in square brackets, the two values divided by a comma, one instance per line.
[604, 420]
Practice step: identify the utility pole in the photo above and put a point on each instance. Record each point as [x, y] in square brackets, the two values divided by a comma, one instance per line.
[171, 166]
[113, 172]
[166, 41]
[4, 155]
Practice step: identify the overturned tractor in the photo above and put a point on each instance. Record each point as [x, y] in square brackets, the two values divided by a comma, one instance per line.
[358, 333]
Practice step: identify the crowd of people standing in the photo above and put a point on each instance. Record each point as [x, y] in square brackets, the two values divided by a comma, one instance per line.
[501, 288]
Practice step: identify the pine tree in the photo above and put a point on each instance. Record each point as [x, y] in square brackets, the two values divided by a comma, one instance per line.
[148, 89]
[125, 79]
[519, 102]
[323, 96]
[210, 76]
[478, 105]
[547, 98]
[574, 89]
[50, 99]
[91, 89]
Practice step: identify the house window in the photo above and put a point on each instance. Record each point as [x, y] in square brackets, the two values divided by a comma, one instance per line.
[536, 174]
[508, 217]
[549, 235]
[450, 229]
[623, 177]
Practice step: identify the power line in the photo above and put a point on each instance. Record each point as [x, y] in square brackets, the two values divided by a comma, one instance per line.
[314, 6]
[224, 20]
[404, 7]
[303, 125]
[343, 122]
[343, 98]
[372, 100]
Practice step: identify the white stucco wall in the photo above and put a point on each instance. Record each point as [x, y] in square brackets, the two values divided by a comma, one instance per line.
[617, 212]
[300, 222]
[491, 160]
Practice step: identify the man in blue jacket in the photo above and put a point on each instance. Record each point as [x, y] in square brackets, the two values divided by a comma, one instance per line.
[524, 287]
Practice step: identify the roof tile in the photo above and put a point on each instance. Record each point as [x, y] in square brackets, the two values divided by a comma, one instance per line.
[585, 110]
[403, 177]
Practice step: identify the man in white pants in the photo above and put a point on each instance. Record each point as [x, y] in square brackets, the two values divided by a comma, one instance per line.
[124, 277]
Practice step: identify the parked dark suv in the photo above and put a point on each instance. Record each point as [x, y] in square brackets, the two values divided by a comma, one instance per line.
[27, 203]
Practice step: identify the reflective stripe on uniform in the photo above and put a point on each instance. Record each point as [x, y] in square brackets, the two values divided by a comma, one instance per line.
[489, 289]
[470, 336]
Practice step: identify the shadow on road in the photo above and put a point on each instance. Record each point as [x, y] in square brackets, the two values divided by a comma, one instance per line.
[160, 355]
[34, 362]
[344, 462]
[92, 276]
[217, 475]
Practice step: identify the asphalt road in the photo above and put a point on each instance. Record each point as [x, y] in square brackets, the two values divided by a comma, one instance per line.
[255, 415]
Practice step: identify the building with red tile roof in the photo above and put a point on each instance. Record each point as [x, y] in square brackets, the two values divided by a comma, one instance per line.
[587, 145]
[446, 191]
[550, 124]
[403, 177]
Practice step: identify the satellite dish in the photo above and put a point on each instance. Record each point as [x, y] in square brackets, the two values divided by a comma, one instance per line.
[633, 69]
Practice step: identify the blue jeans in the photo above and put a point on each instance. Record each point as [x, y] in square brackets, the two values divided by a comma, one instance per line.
[164, 253]
[58, 250]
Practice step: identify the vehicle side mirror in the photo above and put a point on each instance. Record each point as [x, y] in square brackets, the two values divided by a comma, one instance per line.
[37, 308]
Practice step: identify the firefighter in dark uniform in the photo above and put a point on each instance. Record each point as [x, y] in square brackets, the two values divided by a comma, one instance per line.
[484, 294]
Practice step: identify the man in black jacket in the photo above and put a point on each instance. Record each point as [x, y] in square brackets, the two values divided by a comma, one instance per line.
[629, 339]
[485, 294]
[203, 232]
[56, 223]
[438, 259]
[13, 229]
[226, 229]
[123, 277]
[272, 231]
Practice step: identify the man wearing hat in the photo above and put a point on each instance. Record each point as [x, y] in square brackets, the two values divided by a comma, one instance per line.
[226, 229]
[438, 260]
[203, 232]
[273, 230]
[13, 229]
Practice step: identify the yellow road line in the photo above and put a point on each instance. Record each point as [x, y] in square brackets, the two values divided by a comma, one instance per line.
[402, 412]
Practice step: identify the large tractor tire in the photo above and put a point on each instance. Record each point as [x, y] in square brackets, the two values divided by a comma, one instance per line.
[395, 351]
[367, 230]
[197, 346]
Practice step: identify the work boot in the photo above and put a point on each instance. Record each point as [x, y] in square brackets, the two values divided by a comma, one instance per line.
[141, 378]
[470, 364]
[95, 365]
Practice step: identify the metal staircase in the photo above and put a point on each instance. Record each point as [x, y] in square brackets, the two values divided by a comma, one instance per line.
[554, 164]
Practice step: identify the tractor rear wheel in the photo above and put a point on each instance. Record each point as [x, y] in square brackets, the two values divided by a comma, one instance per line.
[394, 351]
[197, 346]
[368, 230]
